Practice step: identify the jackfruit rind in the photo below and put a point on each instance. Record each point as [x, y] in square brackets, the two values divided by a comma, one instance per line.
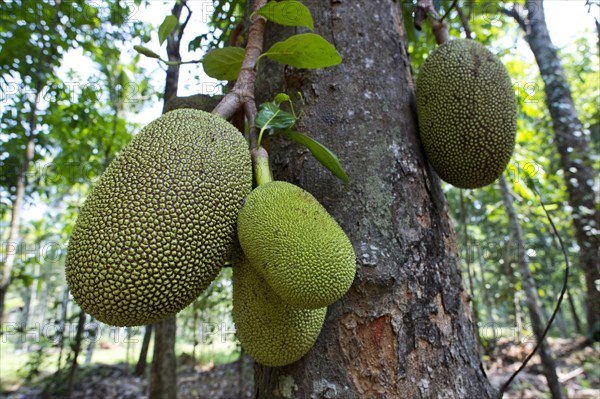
[272, 332]
[160, 223]
[300, 250]
[467, 113]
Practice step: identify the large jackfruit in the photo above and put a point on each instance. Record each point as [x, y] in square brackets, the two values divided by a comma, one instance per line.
[271, 331]
[467, 113]
[160, 223]
[299, 249]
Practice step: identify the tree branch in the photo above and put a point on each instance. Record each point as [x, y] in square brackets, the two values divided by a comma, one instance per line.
[464, 20]
[173, 43]
[243, 90]
[517, 15]
[423, 10]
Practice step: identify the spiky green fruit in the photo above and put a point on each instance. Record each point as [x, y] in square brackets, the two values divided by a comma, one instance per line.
[160, 223]
[297, 247]
[271, 331]
[467, 113]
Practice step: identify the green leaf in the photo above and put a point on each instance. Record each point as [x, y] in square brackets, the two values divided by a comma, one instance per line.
[167, 26]
[271, 117]
[27, 280]
[307, 50]
[288, 13]
[224, 63]
[281, 98]
[321, 153]
[146, 51]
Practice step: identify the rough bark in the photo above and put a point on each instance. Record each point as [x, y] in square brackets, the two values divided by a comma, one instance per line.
[404, 330]
[531, 296]
[163, 371]
[574, 153]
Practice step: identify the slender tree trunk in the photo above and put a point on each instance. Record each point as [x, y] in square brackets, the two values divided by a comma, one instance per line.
[17, 205]
[485, 292]
[531, 297]
[76, 350]
[62, 322]
[140, 367]
[574, 153]
[561, 324]
[518, 317]
[26, 295]
[574, 313]
[163, 374]
[93, 339]
[404, 330]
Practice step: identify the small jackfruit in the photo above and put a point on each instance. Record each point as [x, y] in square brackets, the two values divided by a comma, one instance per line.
[160, 223]
[202, 102]
[272, 332]
[467, 113]
[299, 249]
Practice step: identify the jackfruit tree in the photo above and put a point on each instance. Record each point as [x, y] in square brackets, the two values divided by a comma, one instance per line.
[405, 311]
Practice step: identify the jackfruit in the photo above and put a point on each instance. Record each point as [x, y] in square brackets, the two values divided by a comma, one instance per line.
[467, 113]
[272, 332]
[298, 248]
[202, 102]
[160, 223]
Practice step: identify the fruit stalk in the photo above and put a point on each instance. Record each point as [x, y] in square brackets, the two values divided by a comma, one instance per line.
[260, 163]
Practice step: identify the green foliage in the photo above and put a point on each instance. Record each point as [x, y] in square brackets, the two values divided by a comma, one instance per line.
[320, 152]
[146, 51]
[271, 116]
[167, 26]
[225, 18]
[306, 50]
[287, 13]
[224, 63]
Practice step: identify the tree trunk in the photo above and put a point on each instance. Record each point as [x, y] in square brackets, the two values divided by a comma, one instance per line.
[484, 291]
[518, 316]
[163, 374]
[574, 313]
[93, 339]
[574, 153]
[76, 350]
[404, 330]
[531, 297]
[24, 319]
[17, 204]
[140, 367]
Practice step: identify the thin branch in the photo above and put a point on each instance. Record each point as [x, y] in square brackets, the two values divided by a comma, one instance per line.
[454, 4]
[243, 90]
[517, 15]
[425, 9]
[464, 20]
[187, 19]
